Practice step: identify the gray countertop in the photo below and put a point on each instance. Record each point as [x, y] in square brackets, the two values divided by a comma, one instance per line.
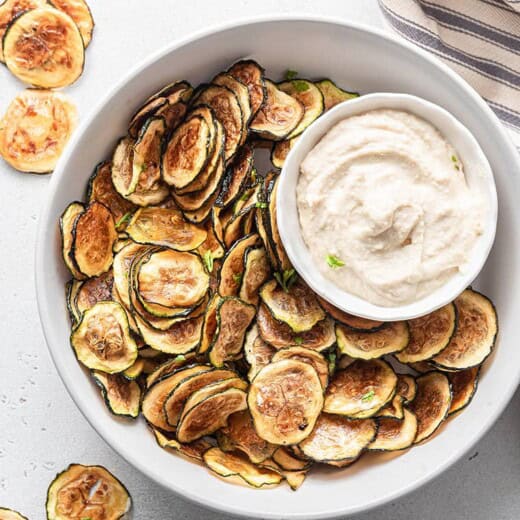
[41, 431]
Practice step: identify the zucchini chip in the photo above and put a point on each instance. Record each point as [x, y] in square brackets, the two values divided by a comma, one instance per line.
[71, 289]
[463, 388]
[475, 336]
[296, 307]
[257, 352]
[179, 395]
[240, 434]
[159, 390]
[305, 355]
[87, 491]
[288, 462]
[208, 414]
[338, 439]
[101, 189]
[232, 270]
[93, 237]
[431, 404]
[280, 152]
[168, 367]
[121, 268]
[332, 94]
[279, 115]
[10, 514]
[392, 338]
[283, 260]
[210, 324]
[43, 47]
[251, 75]
[257, 270]
[361, 389]
[165, 227]
[237, 177]
[122, 397]
[102, 340]
[394, 409]
[429, 335]
[280, 335]
[353, 322]
[285, 400]
[94, 290]
[237, 468]
[406, 387]
[79, 11]
[395, 434]
[193, 451]
[233, 319]
[67, 220]
[310, 96]
[134, 371]
[35, 129]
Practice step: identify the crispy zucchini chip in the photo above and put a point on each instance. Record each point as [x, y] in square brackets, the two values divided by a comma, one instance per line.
[252, 76]
[394, 409]
[72, 288]
[87, 492]
[210, 324]
[209, 414]
[121, 269]
[122, 170]
[280, 335]
[102, 340]
[463, 388]
[43, 47]
[212, 248]
[370, 345]
[280, 152]
[406, 387]
[475, 336]
[353, 322]
[297, 307]
[431, 404]
[338, 439]
[395, 434]
[134, 371]
[237, 177]
[288, 462]
[257, 352]
[35, 129]
[233, 319]
[285, 399]
[429, 335]
[305, 355]
[168, 367]
[332, 94]
[159, 390]
[361, 389]
[93, 237]
[67, 221]
[165, 227]
[94, 290]
[193, 450]
[79, 11]
[257, 270]
[279, 116]
[283, 260]
[122, 396]
[310, 96]
[229, 465]
[10, 514]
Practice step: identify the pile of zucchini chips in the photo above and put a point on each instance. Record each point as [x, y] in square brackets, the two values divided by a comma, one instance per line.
[43, 44]
[186, 309]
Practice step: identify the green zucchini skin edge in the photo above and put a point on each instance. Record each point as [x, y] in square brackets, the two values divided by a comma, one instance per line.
[108, 404]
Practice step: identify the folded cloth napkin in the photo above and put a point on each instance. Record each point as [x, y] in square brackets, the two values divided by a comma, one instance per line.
[479, 39]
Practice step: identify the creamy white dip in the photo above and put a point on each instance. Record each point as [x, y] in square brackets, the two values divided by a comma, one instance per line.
[385, 209]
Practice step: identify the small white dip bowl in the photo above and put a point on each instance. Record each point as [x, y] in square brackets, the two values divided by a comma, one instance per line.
[476, 169]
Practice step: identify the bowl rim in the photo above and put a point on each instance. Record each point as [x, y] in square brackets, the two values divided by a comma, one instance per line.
[288, 216]
[95, 420]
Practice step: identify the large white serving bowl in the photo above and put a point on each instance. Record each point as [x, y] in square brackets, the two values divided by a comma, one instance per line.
[359, 59]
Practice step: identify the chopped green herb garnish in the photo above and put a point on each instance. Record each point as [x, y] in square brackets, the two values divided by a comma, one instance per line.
[300, 85]
[123, 220]
[454, 158]
[143, 168]
[253, 176]
[332, 362]
[455, 162]
[261, 205]
[291, 74]
[244, 196]
[368, 396]
[238, 278]
[180, 357]
[334, 262]
[298, 340]
[208, 260]
[286, 279]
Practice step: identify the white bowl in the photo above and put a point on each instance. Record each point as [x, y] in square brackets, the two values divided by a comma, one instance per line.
[478, 176]
[360, 59]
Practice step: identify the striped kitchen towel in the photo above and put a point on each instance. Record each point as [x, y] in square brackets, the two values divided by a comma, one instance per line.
[479, 39]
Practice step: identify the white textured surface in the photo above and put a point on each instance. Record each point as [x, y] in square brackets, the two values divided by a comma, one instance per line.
[41, 431]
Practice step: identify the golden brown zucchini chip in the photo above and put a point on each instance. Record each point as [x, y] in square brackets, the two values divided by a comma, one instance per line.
[288, 462]
[67, 220]
[406, 387]
[193, 450]
[102, 340]
[285, 399]
[237, 468]
[353, 322]
[431, 404]
[233, 319]
[252, 75]
[210, 324]
[305, 355]
[237, 177]
[297, 307]
[204, 416]
[429, 334]
[283, 260]
[134, 371]
[280, 152]
[79, 11]
[87, 492]
[121, 269]
[280, 335]
[94, 290]
[257, 352]
[475, 336]
[332, 94]
[212, 248]
[71, 290]
[93, 237]
[10, 514]
[395, 434]
[257, 270]
[338, 439]
[463, 388]
[43, 47]
[361, 389]
[165, 227]
[169, 366]
[35, 129]
[279, 115]
[122, 396]
[394, 409]
[369, 345]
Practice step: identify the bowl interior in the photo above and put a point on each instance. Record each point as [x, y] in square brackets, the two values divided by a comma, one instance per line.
[478, 175]
[357, 59]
